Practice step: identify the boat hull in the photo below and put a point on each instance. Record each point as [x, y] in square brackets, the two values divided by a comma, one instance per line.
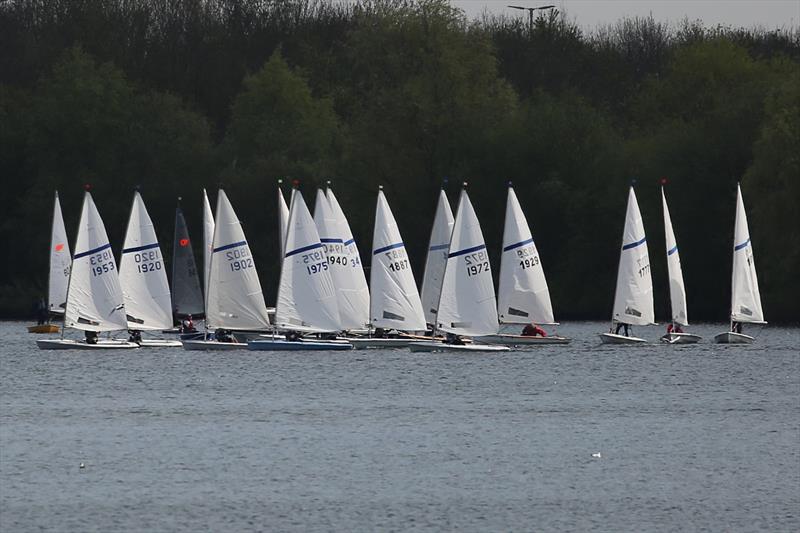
[72, 344]
[613, 338]
[439, 347]
[681, 338]
[366, 343]
[160, 343]
[522, 340]
[302, 345]
[203, 345]
[731, 337]
[43, 328]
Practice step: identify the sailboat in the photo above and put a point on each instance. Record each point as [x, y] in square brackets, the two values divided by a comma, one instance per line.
[187, 298]
[436, 259]
[307, 301]
[234, 300]
[395, 303]
[677, 292]
[467, 304]
[633, 300]
[745, 296]
[94, 296]
[343, 261]
[523, 296]
[143, 278]
[58, 278]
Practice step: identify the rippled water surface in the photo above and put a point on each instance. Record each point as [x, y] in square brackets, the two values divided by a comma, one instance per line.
[702, 437]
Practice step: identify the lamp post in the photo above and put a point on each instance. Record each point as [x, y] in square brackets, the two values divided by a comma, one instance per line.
[530, 11]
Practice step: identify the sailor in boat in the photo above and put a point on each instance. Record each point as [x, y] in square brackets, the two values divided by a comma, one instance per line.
[621, 325]
[42, 315]
[674, 328]
[532, 330]
[223, 335]
[187, 326]
[736, 327]
[452, 338]
[380, 333]
[91, 337]
[134, 335]
[292, 336]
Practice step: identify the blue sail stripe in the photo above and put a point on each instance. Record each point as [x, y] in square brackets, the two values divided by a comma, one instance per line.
[438, 247]
[740, 246]
[518, 244]
[348, 243]
[635, 244]
[387, 248]
[331, 240]
[140, 248]
[673, 250]
[304, 249]
[467, 251]
[90, 252]
[229, 246]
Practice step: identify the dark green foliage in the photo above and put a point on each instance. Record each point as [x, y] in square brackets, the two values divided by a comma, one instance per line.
[177, 96]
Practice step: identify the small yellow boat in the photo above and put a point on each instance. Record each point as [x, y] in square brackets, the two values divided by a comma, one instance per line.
[43, 328]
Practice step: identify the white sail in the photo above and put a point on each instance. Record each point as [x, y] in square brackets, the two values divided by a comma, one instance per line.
[352, 287]
[306, 294]
[745, 296]
[142, 275]
[60, 262]
[94, 297]
[436, 259]
[523, 296]
[677, 291]
[234, 300]
[467, 305]
[633, 300]
[394, 302]
[208, 241]
[283, 218]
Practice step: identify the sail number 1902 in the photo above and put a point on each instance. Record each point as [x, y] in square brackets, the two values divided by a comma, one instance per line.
[239, 259]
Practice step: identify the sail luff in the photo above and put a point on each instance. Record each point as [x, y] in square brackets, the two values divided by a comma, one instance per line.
[436, 258]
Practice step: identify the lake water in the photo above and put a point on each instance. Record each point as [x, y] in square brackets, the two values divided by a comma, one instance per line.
[701, 437]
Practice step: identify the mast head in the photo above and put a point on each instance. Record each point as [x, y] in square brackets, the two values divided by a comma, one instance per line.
[295, 184]
[464, 185]
[445, 182]
[328, 184]
[280, 182]
[87, 187]
[633, 182]
[663, 181]
[380, 187]
[510, 184]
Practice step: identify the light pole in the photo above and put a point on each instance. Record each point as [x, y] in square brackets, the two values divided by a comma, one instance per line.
[530, 11]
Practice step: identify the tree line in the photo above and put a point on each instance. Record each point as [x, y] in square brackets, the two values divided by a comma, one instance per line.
[177, 96]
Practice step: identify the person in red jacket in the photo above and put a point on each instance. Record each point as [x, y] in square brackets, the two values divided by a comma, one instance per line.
[532, 330]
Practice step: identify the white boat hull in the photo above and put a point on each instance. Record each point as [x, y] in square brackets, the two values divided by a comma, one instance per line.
[730, 337]
[160, 343]
[681, 338]
[432, 346]
[304, 345]
[365, 343]
[523, 340]
[613, 338]
[73, 344]
[212, 345]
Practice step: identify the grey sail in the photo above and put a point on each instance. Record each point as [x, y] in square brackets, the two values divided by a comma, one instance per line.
[187, 299]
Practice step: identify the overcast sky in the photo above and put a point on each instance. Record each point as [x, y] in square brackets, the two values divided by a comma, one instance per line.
[590, 13]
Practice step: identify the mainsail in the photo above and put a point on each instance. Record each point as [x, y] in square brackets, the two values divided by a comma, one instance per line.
[523, 296]
[436, 260]
[677, 291]
[395, 302]
[234, 299]
[142, 274]
[94, 297]
[283, 218]
[60, 262]
[467, 305]
[745, 296]
[208, 241]
[633, 300]
[306, 294]
[187, 298]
